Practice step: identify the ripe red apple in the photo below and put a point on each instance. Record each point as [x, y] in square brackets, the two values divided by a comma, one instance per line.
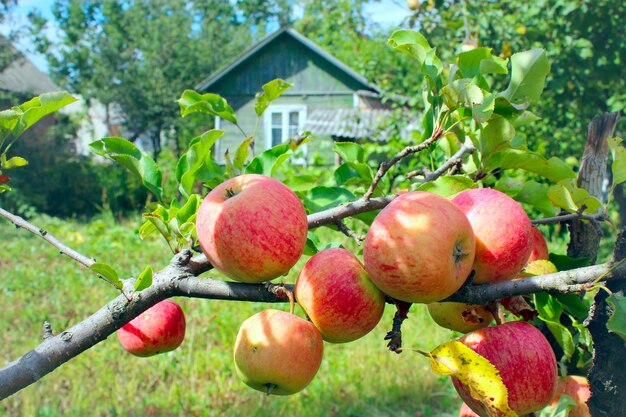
[159, 329]
[467, 412]
[277, 352]
[539, 246]
[576, 387]
[252, 228]
[502, 230]
[338, 296]
[420, 248]
[460, 317]
[525, 360]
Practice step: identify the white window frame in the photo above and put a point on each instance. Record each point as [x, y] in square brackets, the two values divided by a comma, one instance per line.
[284, 109]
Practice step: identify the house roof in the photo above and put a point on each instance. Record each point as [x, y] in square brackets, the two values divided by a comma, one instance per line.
[286, 31]
[348, 123]
[22, 76]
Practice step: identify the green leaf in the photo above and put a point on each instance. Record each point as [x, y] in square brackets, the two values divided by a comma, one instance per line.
[448, 186]
[617, 322]
[14, 162]
[188, 211]
[565, 263]
[482, 112]
[553, 169]
[534, 194]
[242, 153]
[268, 162]
[619, 160]
[193, 102]
[301, 182]
[349, 151]
[410, 43]
[462, 93]
[568, 196]
[349, 171]
[313, 244]
[469, 62]
[574, 305]
[271, 91]
[196, 159]
[137, 162]
[322, 198]
[550, 310]
[560, 409]
[144, 280]
[495, 136]
[39, 107]
[8, 121]
[107, 272]
[528, 76]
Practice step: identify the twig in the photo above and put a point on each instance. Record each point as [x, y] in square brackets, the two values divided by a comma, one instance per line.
[571, 216]
[64, 249]
[409, 150]
[454, 159]
[349, 232]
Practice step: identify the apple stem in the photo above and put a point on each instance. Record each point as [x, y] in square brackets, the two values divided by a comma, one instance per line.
[270, 387]
[496, 311]
[292, 301]
[457, 253]
[230, 193]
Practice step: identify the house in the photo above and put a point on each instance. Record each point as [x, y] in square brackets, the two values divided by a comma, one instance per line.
[328, 98]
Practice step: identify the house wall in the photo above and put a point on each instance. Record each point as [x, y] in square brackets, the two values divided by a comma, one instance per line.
[316, 83]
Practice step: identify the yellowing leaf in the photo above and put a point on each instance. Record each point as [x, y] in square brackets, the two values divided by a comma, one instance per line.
[477, 373]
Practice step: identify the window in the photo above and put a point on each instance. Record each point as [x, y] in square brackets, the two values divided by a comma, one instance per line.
[283, 123]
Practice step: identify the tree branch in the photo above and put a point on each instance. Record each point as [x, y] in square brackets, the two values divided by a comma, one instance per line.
[64, 249]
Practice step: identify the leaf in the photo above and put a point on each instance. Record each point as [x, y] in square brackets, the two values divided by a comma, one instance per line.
[560, 409]
[534, 194]
[553, 169]
[550, 311]
[268, 162]
[312, 244]
[496, 136]
[469, 62]
[14, 162]
[271, 91]
[617, 322]
[8, 120]
[322, 198]
[565, 263]
[448, 186]
[301, 182]
[41, 106]
[482, 112]
[107, 272]
[348, 171]
[568, 196]
[619, 160]
[410, 43]
[144, 280]
[196, 160]
[189, 209]
[462, 93]
[193, 102]
[474, 371]
[349, 151]
[137, 162]
[528, 76]
[242, 153]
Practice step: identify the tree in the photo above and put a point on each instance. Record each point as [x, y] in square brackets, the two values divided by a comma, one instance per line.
[140, 54]
[468, 128]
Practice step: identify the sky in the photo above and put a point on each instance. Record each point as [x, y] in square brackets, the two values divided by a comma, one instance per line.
[387, 13]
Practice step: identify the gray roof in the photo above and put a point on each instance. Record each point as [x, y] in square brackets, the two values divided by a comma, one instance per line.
[21, 76]
[348, 123]
[211, 80]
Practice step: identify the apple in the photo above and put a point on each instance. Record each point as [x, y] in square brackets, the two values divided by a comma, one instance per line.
[159, 329]
[460, 317]
[413, 4]
[277, 352]
[252, 228]
[525, 360]
[338, 296]
[467, 412]
[502, 230]
[577, 387]
[539, 246]
[420, 248]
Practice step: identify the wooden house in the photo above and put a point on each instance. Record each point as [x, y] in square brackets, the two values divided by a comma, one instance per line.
[328, 98]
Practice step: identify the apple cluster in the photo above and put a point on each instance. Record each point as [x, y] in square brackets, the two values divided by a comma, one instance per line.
[421, 248]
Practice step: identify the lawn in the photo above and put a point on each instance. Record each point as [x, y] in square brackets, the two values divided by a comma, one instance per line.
[37, 283]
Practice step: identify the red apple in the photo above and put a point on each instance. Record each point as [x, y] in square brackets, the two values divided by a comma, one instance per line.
[420, 248]
[502, 230]
[460, 317]
[338, 296]
[159, 329]
[525, 360]
[577, 387]
[277, 352]
[252, 228]
[539, 246]
[467, 412]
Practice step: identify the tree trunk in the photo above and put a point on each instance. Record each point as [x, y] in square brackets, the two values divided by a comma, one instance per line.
[585, 236]
[607, 386]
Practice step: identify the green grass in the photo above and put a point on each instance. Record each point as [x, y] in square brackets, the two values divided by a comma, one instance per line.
[198, 379]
